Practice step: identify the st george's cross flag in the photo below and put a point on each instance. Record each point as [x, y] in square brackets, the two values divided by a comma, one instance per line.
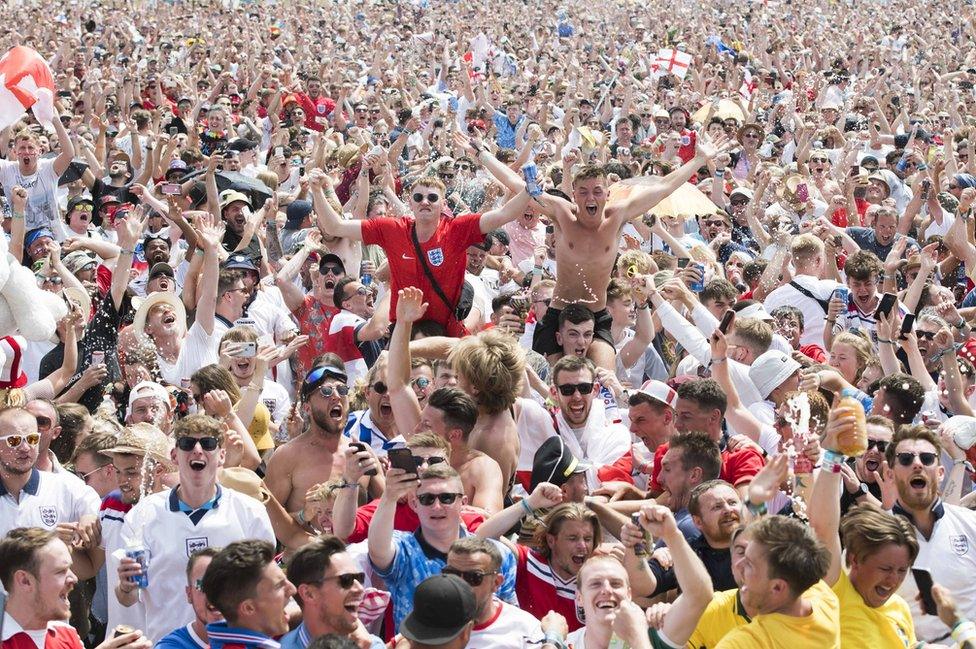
[25, 82]
[674, 62]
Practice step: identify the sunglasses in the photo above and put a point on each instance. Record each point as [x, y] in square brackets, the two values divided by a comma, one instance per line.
[547, 302]
[464, 167]
[347, 580]
[43, 423]
[739, 203]
[473, 577]
[187, 443]
[445, 177]
[908, 459]
[331, 269]
[430, 461]
[446, 498]
[419, 198]
[818, 159]
[421, 382]
[14, 441]
[927, 335]
[878, 444]
[329, 390]
[567, 389]
[359, 291]
[379, 387]
[54, 279]
[84, 207]
[86, 476]
[953, 186]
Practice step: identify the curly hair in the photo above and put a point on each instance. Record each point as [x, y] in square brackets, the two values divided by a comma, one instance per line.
[493, 364]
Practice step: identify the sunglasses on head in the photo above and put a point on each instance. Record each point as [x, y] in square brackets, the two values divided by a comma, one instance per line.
[567, 389]
[908, 459]
[329, 390]
[379, 387]
[14, 441]
[446, 498]
[188, 443]
[473, 577]
[419, 198]
[347, 580]
[881, 445]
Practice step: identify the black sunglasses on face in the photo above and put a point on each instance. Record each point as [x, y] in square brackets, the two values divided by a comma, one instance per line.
[738, 203]
[908, 459]
[347, 580]
[567, 389]
[881, 445]
[446, 498]
[473, 577]
[187, 443]
[430, 461]
[328, 390]
[331, 269]
[927, 335]
[431, 198]
[379, 387]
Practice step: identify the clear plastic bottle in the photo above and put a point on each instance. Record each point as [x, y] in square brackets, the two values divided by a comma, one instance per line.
[859, 444]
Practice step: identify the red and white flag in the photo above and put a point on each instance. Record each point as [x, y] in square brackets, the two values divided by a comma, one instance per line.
[25, 82]
[748, 86]
[674, 62]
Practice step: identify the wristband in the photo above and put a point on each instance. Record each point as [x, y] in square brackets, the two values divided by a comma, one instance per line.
[720, 173]
[345, 483]
[17, 216]
[964, 631]
[962, 323]
[528, 510]
[716, 361]
[832, 461]
[199, 251]
[754, 509]
[886, 342]
[554, 639]
[123, 251]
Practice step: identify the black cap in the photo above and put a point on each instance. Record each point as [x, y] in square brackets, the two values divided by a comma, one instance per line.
[442, 606]
[296, 212]
[241, 145]
[330, 258]
[239, 261]
[78, 200]
[554, 463]
[161, 268]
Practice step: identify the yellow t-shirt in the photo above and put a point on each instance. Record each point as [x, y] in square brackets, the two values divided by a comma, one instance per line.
[864, 627]
[723, 614]
[819, 630]
[259, 428]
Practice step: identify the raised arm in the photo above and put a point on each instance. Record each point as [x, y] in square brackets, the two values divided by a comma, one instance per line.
[545, 495]
[824, 507]
[210, 236]
[505, 214]
[382, 550]
[326, 217]
[403, 400]
[129, 230]
[67, 147]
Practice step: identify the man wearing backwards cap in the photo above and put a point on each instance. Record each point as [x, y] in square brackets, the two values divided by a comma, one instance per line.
[318, 454]
[443, 614]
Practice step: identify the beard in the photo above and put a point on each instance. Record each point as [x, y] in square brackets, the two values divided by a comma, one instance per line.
[325, 423]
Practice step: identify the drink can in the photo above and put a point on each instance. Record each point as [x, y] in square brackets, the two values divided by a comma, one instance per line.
[140, 554]
[366, 279]
[97, 358]
[185, 383]
[843, 293]
[122, 629]
[699, 284]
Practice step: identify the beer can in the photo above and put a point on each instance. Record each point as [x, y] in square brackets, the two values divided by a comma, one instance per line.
[141, 555]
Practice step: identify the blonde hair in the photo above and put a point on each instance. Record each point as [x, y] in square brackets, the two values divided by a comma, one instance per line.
[269, 178]
[493, 364]
[754, 333]
[866, 529]
[642, 261]
[862, 349]
[554, 522]
[806, 246]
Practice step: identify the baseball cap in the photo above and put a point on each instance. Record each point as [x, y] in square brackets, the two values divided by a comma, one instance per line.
[742, 191]
[660, 392]
[443, 605]
[229, 196]
[241, 145]
[756, 310]
[239, 262]
[161, 268]
[296, 212]
[176, 167]
[78, 260]
[78, 200]
[554, 462]
[770, 370]
[109, 198]
[148, 389]
[330, 258]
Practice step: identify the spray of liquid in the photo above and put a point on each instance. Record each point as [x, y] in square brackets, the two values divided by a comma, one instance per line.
[798, 416]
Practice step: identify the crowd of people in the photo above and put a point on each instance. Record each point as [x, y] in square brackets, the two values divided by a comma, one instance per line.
[440, 324]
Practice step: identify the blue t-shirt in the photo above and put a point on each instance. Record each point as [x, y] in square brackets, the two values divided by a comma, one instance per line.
[416, 560]
[182, 638]
[299, 638]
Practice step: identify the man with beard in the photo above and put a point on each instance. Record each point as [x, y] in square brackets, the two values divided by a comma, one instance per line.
[714, 507]
[318, 454]
[330, 585]
[944, 531]
[38, 177]
[194, 634]
[30, 497]
[195, 514]
[314, 311]
[120, 180]
[246, 585]
[35, 569]
[141, 458]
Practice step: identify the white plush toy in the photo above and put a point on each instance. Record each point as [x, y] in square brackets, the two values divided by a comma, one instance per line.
[25, 308]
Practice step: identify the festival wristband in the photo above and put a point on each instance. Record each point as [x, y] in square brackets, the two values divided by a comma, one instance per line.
[754, 509]
[528, 509]
[832, 461]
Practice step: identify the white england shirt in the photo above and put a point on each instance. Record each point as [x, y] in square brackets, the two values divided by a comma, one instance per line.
[46, 500]
[509, 628]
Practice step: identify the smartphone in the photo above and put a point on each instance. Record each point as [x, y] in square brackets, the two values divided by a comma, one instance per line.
[683, 262]
[360, 447]
[723, 326]
[802, 193]
[907, 323]
[887, 304]
[171, 189]
[923, 579]
[279, 150]
[926, 186]
[173, 131]
[247, 350]
[855, 170]
[402, 458]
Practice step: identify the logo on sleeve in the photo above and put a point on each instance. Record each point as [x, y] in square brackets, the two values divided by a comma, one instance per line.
[49, 515]
[436, 256]
[959, 544]
[196, 544]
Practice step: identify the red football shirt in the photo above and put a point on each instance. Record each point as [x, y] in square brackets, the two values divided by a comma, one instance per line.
[540, 590]
[737, 466]
[445, 252]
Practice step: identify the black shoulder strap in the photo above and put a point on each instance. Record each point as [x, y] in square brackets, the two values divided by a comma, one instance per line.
[824, 304]
[430, 276]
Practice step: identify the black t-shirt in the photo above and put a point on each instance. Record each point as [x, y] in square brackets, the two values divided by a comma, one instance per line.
[102, 188]
[718, 563]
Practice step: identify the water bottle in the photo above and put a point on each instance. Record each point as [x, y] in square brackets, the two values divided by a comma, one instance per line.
[140, 554]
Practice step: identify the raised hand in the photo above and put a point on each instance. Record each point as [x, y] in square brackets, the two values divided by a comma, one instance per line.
[766, 483]
[545, 495]
[410, 304]
[18, 201]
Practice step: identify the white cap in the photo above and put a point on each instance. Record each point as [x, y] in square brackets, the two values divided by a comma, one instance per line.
[756, 310]
[659, 391]
[770, 370]
[149, 389]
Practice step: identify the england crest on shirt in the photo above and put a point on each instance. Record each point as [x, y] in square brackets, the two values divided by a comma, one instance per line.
[321, 109]
[49, 515]
[959, 544]
[436, 256]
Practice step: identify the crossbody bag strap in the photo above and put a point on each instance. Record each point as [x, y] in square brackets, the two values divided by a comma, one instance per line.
[430, 275]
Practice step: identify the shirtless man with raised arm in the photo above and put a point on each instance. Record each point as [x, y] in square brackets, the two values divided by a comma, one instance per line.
[449, 413]
[587, 235]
